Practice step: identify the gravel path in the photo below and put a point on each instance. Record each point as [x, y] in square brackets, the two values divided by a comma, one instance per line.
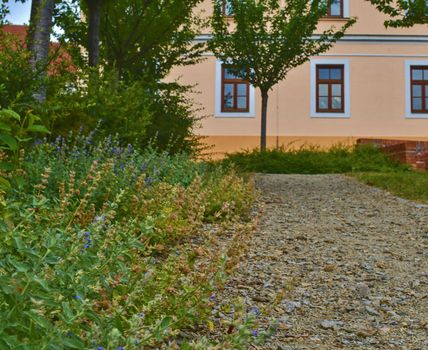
[342, 265]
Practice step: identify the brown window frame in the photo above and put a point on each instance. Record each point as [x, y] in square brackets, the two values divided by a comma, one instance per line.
[330, 82]
[224, 9]
[235, 83]
[329, 15]
[424, 84]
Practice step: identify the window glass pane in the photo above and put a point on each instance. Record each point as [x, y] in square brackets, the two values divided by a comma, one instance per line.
[425, 74]
[417, 104]
[335, 8]
[426, 103]
[228, 10]
[417, 74]
[228, 96]
[323, 102]
[336, 90]
[242, 102]
[322, 89]
[417, 90]
[336, 74]
[426, 90]
[242, 89]
[228, 74]
[323, 73]
[336, 103]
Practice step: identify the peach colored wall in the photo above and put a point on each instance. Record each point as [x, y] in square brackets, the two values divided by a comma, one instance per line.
[370, 20]
[377, 91]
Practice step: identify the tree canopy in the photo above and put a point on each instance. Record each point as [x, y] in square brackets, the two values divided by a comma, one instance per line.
[403, 13]
[268, 38]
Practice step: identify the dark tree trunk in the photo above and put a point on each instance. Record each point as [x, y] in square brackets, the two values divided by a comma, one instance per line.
[94, 7]
[39, 40]
[265, 98]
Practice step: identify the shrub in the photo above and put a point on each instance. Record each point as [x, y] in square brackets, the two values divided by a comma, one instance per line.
[105, 248]
[314, 160]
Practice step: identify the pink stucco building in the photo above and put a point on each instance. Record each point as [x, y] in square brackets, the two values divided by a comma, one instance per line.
[372, 84]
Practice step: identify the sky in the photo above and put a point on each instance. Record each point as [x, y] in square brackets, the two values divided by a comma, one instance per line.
[19, 13]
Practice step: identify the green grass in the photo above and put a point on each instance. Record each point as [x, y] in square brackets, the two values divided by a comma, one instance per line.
[314, 160]
[407, 184]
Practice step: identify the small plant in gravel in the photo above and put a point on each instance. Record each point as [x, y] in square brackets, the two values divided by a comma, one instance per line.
[107, 247]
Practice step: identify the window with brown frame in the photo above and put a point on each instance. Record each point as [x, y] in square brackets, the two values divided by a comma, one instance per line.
[227, 8]
[419, 88]
[235, 92]
[330, 89]
[335, 8]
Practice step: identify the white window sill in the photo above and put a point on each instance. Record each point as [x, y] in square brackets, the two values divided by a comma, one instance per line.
[330, 115]
[417, 116]
[234, 115]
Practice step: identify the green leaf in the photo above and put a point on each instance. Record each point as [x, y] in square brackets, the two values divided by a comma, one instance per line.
[7, 166]
[163, 326]
[10, 141]
[4, 184]
[8, 113]
[39, 320]
[73, 343]
[5, 127]
[38, 128]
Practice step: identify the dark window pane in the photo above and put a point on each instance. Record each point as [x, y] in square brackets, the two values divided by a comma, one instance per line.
[336, 103]
[426, 90]
[323, 73]
[228, 96]
[336, 74]
[228, 10]
[336, 90]
[417, 104]
[242, 103]
[425, 74]
[323, 90]
[417, 74]
[335, 8]
[228, 74]
[417, 90]
[323, 102]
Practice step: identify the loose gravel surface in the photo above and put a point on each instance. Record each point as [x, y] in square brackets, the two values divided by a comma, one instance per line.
[341, 265]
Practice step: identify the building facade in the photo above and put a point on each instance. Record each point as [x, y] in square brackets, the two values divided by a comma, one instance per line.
[372, 84]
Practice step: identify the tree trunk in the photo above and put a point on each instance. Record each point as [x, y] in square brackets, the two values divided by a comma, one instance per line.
[39, 40]
[94, 7]
[265, 98]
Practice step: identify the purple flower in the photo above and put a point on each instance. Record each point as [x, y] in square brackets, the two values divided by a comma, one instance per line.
[141, 315]
[212, 297]
[78, 297]
[255, 333]
[86, 246]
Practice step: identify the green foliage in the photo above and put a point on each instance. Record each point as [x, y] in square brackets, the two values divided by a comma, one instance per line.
[117, 255]
[404, 13]
[313, 160]
[407, 184]
[143, 114]
[269, 38]
[15, 131]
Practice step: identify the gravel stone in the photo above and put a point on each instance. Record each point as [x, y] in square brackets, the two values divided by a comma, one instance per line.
[339, 264]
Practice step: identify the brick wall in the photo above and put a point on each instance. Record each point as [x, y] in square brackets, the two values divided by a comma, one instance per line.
[414, 153]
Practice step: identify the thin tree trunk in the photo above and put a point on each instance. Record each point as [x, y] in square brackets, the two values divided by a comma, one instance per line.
[265, 98]
[94, 31]
[39, 40]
